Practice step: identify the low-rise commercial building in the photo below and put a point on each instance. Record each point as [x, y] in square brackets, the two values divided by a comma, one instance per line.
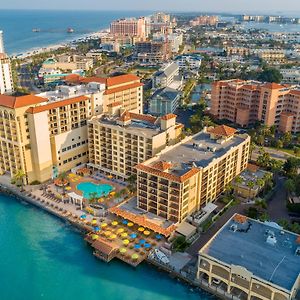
[189, 61]
[119, 141]
[185, 177]
[245, 102]
[253, 260]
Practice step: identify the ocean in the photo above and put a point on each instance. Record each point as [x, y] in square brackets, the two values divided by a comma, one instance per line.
[18, 24]
[42, 257]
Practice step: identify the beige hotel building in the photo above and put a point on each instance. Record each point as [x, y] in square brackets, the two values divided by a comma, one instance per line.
[245, 102]
[119, 141]
[47, 133]
[186, 176]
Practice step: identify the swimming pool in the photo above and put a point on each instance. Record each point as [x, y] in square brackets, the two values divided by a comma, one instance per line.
[89, 187]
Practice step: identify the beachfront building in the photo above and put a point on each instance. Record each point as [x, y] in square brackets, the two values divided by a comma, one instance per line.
[67, 62]
[271, 56]
[6, 81]
[246, 102]
[187, 176]
[252, 260]
[129, 27]
[120, 140]
[164, 101]
[204, 21]
[47, 133]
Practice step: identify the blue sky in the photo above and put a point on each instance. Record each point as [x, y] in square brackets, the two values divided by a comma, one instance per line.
[291, 6]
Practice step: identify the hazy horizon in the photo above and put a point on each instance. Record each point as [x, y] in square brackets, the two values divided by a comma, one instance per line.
[291, 7]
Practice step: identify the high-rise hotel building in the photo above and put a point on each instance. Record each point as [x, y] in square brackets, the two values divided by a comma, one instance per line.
[186, 176]
[6, 81]
[47, 133]
[245, 102]
[118, 141]
[130, 27]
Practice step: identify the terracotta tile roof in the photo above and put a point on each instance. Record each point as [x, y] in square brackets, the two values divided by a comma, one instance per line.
[56, 104]
[123, 88]
[22, 101]
[223, 130]
[115, 104]
[125, 116]
[142, 221]
[166, 175]
[162, 165]
[3, 55]
[141, 117]
[240, 218]
[251, 87]
[179, 126]
[168, 116]
[252, 168]
[273, 86]
[104, 246]
[121, 79]
[93, 79]
[73, 78]
[295, 92]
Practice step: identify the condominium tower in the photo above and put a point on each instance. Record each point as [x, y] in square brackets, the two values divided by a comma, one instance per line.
[118, 141]
[47, 133]
[6, 81]
[186, 176]
[246, 102]
[130, 27]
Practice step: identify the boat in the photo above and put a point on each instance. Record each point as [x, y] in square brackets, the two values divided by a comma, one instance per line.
[70, 30]
[36, 30]
[161, 256]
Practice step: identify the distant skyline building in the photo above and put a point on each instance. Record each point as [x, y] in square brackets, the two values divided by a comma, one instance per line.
[6, 81]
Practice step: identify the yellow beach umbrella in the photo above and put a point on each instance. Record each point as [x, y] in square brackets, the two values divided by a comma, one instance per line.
[124, 235]
[126, 242]
[120, 230]
[95, 237]
[103, 225]
[130, 224]
[146, 232]
[107, 233]
[94, 222]
[114, 223]
[141, 229]
[68, 188]
[134, 256]
[100, 200]
[122, 250]
[112, 236]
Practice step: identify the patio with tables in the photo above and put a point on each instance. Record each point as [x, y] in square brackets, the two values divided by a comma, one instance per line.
[123, 239]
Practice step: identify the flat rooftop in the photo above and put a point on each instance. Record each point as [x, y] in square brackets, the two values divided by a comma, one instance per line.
[276, 263]
[199, 151]
[136, 127]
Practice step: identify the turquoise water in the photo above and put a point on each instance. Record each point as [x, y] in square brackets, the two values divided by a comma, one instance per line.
[42, 257]
[18, 24]
[89, 187]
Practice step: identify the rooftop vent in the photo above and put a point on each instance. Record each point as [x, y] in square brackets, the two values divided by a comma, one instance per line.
[233, 227]
[271, 240]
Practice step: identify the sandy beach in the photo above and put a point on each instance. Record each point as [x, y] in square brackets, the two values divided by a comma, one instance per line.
[34, 51]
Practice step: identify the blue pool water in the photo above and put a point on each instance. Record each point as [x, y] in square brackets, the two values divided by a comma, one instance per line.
[89, 187]
[43, 258]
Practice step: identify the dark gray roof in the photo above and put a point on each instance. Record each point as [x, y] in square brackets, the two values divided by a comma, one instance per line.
[167, 94]
[168, 70]
[277, 263]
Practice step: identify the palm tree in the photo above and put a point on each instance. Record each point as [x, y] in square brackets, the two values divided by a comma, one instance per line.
[260, 182]
[63, 177]
[19, 178]
[250, 185]
[290, 186]
[93, 197]
[238, 179]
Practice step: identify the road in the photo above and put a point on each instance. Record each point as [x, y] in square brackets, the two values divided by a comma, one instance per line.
[277, 154]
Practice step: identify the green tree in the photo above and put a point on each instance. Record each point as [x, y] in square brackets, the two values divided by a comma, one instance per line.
[270, 75]
[250, 185]
[18, 178]
[290, 185]
[63, 177]
[93, 196]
